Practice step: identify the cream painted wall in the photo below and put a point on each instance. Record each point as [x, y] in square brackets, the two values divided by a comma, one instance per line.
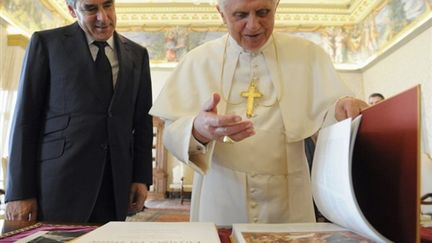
[409, 65]
[354, 80]
[3, 43]
[159, 75]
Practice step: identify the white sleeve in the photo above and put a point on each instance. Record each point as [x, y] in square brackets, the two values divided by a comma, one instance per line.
[330, 117]
[179, 141]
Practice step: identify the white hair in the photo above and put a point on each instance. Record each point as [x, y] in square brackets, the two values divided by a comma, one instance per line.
[222, 3]
[71, 2]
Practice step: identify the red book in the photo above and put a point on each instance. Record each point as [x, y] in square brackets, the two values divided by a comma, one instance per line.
[386, 166]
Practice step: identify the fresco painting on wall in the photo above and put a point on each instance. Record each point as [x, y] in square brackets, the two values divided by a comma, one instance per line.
[413, 8]
[384, 24]
[344, 44]
[172, 44]
[333, 41]
[153, 41]
[353, 44]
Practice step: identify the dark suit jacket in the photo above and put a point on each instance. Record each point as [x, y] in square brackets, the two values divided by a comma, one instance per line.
[62, 127]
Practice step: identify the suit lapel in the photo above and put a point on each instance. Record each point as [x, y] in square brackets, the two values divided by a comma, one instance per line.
[128, 75]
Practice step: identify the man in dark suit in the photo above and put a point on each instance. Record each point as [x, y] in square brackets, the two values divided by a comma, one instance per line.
[82, 136]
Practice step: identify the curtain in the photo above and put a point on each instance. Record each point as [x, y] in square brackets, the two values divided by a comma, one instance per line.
[11, 58]
[9, 78]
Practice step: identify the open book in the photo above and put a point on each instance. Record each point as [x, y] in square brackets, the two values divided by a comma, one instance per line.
[332, 184]
[365, 177]
[333, 193]
[298, 232]
[152, 232]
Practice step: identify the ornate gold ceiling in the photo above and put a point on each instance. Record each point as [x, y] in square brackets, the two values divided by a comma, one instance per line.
[353, 32]
[136, 15]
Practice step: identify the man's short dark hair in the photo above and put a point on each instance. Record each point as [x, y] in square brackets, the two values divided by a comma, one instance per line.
[377, 95]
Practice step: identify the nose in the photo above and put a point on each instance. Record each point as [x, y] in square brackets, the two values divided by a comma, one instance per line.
[252, 22]
[102, 15]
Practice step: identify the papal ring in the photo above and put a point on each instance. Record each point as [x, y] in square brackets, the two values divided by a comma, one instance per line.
[227, 139]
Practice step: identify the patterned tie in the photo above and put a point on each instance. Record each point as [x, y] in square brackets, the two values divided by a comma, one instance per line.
[103, 71]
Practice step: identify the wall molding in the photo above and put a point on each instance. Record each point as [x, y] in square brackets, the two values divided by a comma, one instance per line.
[147, 16]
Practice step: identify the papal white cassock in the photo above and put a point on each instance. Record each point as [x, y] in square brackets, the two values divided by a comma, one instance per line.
[264, 178]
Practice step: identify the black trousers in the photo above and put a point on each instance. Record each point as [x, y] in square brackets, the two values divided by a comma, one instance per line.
[104, 209]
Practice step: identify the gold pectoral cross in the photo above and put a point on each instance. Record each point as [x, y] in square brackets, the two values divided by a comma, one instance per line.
[251, 94]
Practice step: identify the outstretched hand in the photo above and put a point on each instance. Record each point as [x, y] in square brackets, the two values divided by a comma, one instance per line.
[208, 125]
[349, 107]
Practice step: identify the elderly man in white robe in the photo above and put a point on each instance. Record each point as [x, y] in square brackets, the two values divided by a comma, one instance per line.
[237, 110]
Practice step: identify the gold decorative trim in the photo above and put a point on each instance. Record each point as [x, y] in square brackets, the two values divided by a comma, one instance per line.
[144, 16]
[17, 40]
[10, 20]
[338, 26]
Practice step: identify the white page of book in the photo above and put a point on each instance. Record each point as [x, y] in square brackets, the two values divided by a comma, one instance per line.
[153, 232]
[332, 186]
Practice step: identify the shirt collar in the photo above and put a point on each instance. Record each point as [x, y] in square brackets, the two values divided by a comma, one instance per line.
[90, 40]
[233, 44]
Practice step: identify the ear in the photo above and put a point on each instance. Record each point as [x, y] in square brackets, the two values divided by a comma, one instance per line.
[221, 13]
[72, 11]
